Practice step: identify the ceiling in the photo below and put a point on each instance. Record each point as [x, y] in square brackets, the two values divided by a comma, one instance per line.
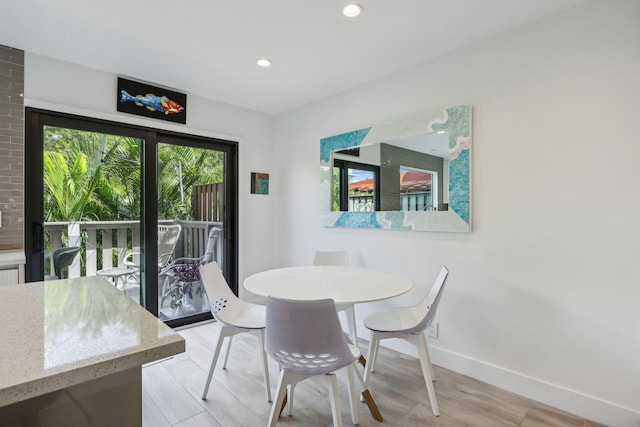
[209, 48]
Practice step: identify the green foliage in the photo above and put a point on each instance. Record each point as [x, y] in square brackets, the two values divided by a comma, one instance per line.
[190, 165]
[91, 176]
[336, 190]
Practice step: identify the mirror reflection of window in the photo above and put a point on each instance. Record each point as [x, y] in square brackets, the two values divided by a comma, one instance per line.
[414, 175]
[438, 143]
[355, 187]
[418, 190]
[361, 191]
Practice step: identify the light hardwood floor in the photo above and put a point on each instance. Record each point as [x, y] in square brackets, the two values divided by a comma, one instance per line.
[172, 392]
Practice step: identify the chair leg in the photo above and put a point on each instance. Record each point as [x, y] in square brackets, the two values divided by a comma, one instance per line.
[290, 389]
[426, 347]
[166, 289]
[373, 344]
[352, 393]
[423, 352]
[351, 320]
[224, 332]
[335, 401]
[286, 381]
[374, 357]
[226, 355]
[281, 392]
[265, 365]
[367, 398]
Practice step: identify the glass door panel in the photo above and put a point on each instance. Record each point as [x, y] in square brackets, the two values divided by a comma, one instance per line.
[361, 190]
[191, 199]
[92, 206]
[356, 187]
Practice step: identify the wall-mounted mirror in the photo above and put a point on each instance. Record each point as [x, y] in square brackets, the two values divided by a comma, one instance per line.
[412, 174]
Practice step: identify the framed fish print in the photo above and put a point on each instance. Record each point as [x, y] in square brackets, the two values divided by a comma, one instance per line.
[151, 101]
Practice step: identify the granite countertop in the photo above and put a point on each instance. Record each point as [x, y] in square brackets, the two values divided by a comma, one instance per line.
[60, 333]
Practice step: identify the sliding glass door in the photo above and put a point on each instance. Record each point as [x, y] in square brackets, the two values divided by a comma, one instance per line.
[139, 207]
[191, 199]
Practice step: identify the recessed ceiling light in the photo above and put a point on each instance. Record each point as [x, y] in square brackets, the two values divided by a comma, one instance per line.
[264, 62]
[351, 10]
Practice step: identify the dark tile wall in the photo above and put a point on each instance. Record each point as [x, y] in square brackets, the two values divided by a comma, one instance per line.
[11, 147]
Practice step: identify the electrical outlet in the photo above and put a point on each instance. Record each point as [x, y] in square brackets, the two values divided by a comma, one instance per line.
[432, 331]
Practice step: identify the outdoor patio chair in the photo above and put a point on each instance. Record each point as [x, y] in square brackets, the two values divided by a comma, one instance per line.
[167, 239]
[62, 259]
[185, 269]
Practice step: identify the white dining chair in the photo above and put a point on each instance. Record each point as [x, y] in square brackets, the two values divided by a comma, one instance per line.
[305, 338]
[340, 258]
[408, 323]
[236, 317]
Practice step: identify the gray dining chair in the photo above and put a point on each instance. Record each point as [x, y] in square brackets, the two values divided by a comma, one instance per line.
[236, 317]
[305, 338]
[408, 323]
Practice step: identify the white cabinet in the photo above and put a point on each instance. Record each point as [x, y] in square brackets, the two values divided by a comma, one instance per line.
[12, 267]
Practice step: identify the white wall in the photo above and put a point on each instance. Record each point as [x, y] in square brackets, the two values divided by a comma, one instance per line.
[544, 295]
[62, 86]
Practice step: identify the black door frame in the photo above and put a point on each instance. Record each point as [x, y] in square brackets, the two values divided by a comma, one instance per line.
[344, 166]
[36, 119]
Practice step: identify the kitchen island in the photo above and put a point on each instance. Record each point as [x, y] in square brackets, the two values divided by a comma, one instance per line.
[71, 354]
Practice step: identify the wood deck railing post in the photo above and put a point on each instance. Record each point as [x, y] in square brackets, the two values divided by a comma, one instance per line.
[75, 239]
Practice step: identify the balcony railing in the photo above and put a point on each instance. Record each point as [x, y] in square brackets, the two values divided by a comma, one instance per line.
[414, 201]
[105, 244]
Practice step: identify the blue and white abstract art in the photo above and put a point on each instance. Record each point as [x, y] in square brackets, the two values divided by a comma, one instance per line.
[457, 122]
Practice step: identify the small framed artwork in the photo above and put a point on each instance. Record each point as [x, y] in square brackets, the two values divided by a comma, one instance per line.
[151, 101]
[259, 183]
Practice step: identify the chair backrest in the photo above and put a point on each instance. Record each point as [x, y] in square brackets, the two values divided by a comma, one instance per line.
[63, 258]
[340, 258]
[167, 240]
[210, 251]
[429, 305]
[217, 288]
[306, 336]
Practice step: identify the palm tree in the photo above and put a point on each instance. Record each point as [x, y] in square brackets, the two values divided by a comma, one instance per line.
[179, 168]
[91, 176]
[119, 193]
[95, 176]
[69, 187]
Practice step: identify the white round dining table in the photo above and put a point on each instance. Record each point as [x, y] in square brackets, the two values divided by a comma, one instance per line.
[345, 285]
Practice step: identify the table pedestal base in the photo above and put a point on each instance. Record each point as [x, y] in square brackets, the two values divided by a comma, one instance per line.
[113, 400]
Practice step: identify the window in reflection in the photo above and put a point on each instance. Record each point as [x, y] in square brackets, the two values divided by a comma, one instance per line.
[418, 190]
[355, 187]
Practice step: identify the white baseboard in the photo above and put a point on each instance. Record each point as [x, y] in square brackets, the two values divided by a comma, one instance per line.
[557, 396]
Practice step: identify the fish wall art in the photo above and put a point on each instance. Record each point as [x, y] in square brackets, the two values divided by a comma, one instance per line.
[151, 101]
